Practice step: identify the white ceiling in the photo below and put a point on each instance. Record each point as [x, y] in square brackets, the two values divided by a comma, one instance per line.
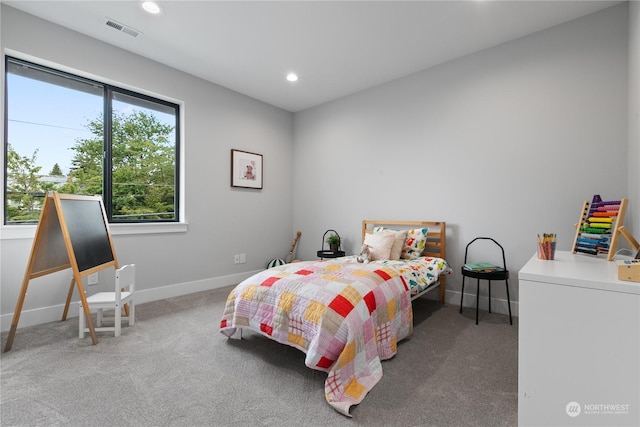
[336, 47]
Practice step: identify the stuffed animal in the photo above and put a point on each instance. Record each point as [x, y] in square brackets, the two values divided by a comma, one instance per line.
[364, 255]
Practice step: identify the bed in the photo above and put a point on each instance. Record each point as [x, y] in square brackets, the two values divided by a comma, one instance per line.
[346, 316]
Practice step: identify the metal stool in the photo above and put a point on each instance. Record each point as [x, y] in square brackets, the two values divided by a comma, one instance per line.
[499, 274]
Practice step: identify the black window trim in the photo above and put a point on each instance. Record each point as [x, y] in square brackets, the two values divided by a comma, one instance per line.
[108, 90]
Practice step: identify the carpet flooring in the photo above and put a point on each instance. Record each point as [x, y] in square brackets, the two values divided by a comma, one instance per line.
[173, 368]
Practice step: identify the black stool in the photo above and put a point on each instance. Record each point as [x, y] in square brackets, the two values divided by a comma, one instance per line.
[501, 273]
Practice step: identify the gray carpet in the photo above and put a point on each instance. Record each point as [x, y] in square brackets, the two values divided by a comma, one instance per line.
[173, 368]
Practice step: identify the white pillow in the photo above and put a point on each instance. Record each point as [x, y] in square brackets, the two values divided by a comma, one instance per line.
[398, 244]
[379, 244]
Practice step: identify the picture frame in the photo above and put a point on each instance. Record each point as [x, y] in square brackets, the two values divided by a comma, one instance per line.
[246, 169]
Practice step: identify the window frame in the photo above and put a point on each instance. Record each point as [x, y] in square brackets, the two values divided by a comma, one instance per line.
[140, 226]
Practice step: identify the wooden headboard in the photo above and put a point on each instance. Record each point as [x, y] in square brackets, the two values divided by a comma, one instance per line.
[436, 236]
[436, 245]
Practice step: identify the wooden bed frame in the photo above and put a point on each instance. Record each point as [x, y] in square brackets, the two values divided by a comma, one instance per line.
[435, 247]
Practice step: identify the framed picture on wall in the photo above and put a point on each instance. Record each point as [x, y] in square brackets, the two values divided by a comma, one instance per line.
[246, 169]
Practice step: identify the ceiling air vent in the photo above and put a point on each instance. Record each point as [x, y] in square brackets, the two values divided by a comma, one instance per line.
[121, 27]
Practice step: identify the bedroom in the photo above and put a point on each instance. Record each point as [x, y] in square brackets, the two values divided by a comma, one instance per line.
[490, 143]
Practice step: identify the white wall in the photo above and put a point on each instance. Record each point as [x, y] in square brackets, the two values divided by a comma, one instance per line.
[634, 115]
[221, 221]
[505, 143]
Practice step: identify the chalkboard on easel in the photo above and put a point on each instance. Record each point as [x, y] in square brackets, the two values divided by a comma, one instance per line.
[73, 232]
[88, 231]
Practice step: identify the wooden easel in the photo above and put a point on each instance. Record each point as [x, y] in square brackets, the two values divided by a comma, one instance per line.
[73, 232]
[615, 230]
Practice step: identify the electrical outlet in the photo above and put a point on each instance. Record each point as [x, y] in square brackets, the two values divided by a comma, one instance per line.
[236, 259]
[243, 258]
[92, 279]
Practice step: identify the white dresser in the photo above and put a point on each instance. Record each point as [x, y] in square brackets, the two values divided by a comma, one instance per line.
[579, 343]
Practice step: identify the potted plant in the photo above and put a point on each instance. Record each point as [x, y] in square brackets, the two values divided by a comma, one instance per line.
[334, 242]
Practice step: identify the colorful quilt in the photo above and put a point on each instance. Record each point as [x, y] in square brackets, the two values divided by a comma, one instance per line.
[420, 272]
[346, 316]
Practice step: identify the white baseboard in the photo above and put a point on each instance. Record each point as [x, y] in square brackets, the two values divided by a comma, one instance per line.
[53, 313]
[498, 305]
[453, 298]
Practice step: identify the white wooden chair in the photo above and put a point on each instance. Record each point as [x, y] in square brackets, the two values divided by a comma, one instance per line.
[124, 290]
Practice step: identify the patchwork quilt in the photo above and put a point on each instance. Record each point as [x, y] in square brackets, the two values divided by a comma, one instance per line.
[345, 316]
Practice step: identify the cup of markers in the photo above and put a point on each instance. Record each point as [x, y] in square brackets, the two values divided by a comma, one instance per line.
[547, 246]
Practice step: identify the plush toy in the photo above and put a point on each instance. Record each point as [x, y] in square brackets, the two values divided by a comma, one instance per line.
[364, 254]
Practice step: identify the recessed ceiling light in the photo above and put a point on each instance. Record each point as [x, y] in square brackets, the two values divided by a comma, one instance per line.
[292, 77]
[151, 7]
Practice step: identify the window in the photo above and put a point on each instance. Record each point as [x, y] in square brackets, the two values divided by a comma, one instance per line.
[79, 136]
